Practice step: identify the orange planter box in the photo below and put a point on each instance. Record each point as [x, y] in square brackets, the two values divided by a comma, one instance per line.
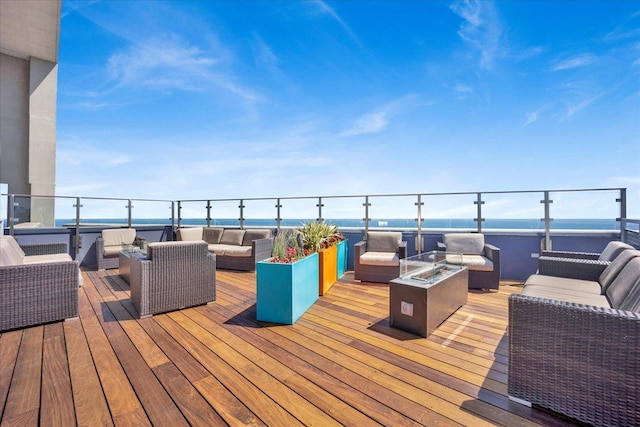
[328, 268]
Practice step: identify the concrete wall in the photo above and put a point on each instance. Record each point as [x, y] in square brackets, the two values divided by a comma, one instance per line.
[28, 133]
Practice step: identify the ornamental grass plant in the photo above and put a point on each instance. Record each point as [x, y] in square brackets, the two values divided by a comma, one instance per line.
[319, 235]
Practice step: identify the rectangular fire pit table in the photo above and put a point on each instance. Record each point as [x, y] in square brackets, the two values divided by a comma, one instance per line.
[431, 287]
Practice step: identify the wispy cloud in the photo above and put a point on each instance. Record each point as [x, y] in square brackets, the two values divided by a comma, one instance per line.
[574, 62]
[326, 9]
[463, 91]
[481, 29]
[378, 120]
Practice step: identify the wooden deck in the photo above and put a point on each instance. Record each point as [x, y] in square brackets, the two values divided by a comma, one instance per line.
[340, 364]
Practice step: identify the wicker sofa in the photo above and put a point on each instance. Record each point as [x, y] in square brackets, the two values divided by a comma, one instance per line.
[109, 244]
[38, 284]
[377, 259]
[173, 275]
[579, 265]
[574, 344]
[235, 249]
[482, 259]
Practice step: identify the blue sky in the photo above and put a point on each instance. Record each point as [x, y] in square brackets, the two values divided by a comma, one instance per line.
[221, 99]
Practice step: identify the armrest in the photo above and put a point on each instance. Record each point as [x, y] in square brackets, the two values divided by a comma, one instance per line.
[359, 248]
[261, 248]
[45, 249]
[584, 269]
[492, 252]
[590, 352]
[569, 254]
[100, 246]
[402, 250]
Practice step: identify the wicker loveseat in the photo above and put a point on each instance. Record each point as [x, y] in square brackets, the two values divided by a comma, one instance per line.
[235, 249]
[173, 275]
[38, 284]
[574, 344]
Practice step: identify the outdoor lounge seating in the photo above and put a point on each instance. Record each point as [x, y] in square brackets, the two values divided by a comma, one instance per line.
[235, 249]
[579, 265]
[377, 259]
[38, 288]
[173, 275]
[574, 344]
[482, 259]
[109, 244]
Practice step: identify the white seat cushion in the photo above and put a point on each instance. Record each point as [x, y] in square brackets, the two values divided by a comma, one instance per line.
[550, 293]
[563, 283]
[477, 263]
[118, 236]
[190, 234]
[39, 259]
[237, 251]
[385, 259]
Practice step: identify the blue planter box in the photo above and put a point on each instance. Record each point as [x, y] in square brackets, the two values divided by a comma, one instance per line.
[342, 258]
[286, 291]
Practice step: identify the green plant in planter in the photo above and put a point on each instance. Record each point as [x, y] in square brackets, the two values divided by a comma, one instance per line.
[317, 236]
[286, 248]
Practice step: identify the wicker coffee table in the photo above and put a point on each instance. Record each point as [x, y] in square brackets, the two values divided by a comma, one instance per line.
[431, 287]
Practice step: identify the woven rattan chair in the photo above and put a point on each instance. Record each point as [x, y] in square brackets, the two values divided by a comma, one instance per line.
[35, 287]
[174, 275]
[579, 265]
[482, 259]
[377, 259]
[109, 244]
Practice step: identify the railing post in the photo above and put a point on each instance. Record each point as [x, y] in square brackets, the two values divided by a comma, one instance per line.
[173, 218]
[319, 206]
[76, 238]
[419, 204]
[179, 213]
[623, 214]
[129, 207]
[547, 221]
[11, 213]
[241, 219]
[208, 213]
[479, 218]
[278, 218]
[366, 218]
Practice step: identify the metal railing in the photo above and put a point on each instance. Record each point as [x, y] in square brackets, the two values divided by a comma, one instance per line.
[421, 207]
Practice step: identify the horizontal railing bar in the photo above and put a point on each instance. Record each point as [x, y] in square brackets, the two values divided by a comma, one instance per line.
[90, 198]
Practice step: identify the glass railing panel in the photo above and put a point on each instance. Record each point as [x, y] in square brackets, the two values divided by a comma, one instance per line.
[295, 212]
[585, 210]
[260, 213]
[150, 212]
[399, 212]
[344, 211]
[451, 211]
[513, 211]
[192, 212]
[225, 213]
[98, 212]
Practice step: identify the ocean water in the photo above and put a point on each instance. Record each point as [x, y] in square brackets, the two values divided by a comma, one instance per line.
[508, 224]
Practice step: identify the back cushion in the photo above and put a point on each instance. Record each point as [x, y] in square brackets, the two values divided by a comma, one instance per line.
[620, 288]
[383, 241]
[232, 237]
[632, 300]
[611, 272]
[11, 241]
[212, 235]
[251, 235]
[612, 250]
[118, 236]
[465, 243]
[8, 254]
[190, 234]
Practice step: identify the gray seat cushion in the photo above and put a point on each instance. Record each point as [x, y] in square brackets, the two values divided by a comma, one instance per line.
[612, 250]
[383, 241]
[251, 235]
[212, 235]
[464, 243]
[625, 281]
[232, 237]
[611, 272]
[385, 259]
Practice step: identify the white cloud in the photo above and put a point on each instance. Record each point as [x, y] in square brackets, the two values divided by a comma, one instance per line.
[369, 123]
[481, 29]
[531, 118]
[326, 9]
[575, 62]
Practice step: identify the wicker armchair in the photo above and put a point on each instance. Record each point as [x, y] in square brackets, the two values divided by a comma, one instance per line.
[109, 244]
[482, 259]
[377, 259]
[174, 275]
[36, 288]
[579, 265]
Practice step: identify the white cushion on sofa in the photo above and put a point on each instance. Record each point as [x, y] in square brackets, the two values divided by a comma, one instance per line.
[118, 236]
[8, 254]
[237, 251]
[39, 259]
[190, 234]
[573, 285]
[386, 259]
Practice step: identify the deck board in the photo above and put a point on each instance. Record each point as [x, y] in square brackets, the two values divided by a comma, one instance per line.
[340, 364]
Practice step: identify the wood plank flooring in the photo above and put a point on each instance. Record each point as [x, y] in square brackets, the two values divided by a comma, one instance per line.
[340, 364]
